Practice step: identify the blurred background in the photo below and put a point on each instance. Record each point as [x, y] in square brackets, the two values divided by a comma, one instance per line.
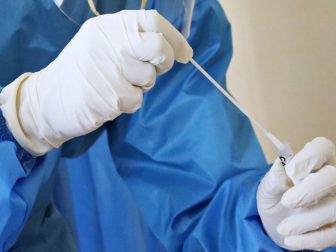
[284, 66]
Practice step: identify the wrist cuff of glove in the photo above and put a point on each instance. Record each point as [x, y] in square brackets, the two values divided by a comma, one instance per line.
[9, 105]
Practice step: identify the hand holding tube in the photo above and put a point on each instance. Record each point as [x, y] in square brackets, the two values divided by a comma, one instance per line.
[297, 205]
[101, 73]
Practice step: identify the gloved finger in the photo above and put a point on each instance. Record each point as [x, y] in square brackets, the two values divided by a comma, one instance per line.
[152, 21]
[154, 48]
[317, 240]
[138, 73]
[271, 188]
[128, 98]
[309, 219]
[312, 189]
[310, 158]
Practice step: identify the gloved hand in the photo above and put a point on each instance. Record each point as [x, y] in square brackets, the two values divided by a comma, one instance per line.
[298, 205]
[100, 74]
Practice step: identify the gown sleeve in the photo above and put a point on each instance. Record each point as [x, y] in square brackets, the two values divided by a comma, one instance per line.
[230, 222]
[25, 189]
[14, 207]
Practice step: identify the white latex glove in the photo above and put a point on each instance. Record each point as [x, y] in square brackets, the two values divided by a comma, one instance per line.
[100, 74]
[301, 215]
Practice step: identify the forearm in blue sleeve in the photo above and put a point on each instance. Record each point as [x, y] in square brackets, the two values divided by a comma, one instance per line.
[223, 219]
[230, 220]
[25, 183]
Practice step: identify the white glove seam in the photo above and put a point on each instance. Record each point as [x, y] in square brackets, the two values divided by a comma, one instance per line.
[41, 137]
[34, 116]
[91, 86]
[127, 36]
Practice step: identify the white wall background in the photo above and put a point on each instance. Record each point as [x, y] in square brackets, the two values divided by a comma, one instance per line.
[284, 66]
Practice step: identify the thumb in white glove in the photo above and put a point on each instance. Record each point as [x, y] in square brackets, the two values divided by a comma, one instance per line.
[100, 74]
[269, 194]
[301, 215]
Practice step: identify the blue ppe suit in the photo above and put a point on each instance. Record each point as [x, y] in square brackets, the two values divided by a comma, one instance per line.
[179, 175]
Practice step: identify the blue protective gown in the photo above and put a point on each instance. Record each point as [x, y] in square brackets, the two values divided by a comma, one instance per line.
[179, 175]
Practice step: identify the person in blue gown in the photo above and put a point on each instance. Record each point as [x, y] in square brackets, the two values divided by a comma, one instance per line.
[190, 187]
